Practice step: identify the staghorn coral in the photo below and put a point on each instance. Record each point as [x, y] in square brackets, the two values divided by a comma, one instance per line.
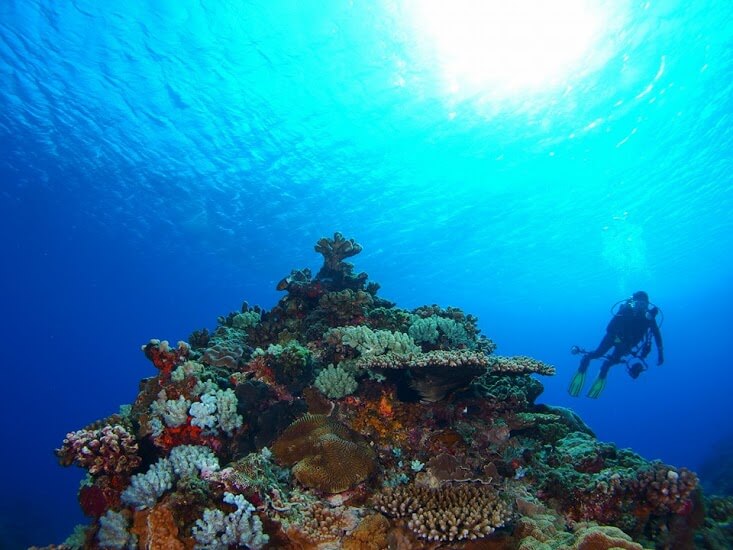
[108, 450]
[324, 454]
[451, 512]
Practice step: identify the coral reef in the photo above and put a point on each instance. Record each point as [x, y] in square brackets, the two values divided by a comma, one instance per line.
[336, 419]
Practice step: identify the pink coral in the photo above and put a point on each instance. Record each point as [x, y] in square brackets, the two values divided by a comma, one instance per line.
[108, 450]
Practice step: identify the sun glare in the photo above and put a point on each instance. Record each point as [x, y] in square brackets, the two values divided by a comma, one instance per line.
[508, 46]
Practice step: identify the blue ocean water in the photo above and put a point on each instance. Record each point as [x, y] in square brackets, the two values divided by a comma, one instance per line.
[162, 162]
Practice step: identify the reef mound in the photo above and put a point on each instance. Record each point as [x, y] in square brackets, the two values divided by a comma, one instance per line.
[338, 420]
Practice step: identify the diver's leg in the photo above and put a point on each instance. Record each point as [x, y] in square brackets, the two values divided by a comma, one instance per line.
[600, 383]
[600, 351]
[578, 380]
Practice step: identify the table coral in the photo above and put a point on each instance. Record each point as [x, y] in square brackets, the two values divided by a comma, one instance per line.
[520, 364]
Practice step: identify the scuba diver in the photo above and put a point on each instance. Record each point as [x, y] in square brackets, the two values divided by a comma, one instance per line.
[629, 333]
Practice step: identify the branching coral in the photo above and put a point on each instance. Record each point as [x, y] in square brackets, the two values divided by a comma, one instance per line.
[436, 330]
[371, 343]
[145, 489]
[319, 525]
[113, 531]
[336, 250]
[450, 513]
[335, 382]
[240, 527]
[108, 450]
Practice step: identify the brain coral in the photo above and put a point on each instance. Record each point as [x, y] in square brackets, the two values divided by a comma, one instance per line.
[324, 454]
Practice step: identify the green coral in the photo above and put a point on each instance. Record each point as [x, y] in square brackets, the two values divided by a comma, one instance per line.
[247, 319]
[435, 330]
[377, 342]
[335, 382]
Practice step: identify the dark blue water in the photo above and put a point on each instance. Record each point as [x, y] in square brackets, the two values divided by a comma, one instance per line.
[158, 166]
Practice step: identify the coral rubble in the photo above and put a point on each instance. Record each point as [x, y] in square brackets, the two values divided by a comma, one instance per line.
[338, 420]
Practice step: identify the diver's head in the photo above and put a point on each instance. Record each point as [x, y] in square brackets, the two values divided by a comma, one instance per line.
[639, 301]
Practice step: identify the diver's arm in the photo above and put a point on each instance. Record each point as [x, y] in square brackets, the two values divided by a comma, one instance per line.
[658, 341]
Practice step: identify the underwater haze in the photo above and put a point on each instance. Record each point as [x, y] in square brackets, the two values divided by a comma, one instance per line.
[162, 162]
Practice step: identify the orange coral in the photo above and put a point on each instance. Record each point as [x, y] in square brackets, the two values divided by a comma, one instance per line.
[156, 529]
[381, 419]
[385, 406]
[370, 534]
[324, 454]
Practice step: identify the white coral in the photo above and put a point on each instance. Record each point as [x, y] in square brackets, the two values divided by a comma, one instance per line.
[174, 412]
[216, 531]
[145, 489]
[226, 406]
[187, 460]
[203, 411]
[113, 532]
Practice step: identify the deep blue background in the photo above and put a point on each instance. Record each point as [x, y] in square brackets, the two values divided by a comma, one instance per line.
[160, 166]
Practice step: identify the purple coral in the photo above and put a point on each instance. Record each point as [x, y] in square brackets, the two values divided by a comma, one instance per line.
[108, 450]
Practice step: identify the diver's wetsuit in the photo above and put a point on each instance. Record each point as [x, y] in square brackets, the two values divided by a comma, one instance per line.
[624, 331]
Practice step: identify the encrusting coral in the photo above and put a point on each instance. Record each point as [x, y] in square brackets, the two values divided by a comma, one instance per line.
[324, 454]
[336, 419]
